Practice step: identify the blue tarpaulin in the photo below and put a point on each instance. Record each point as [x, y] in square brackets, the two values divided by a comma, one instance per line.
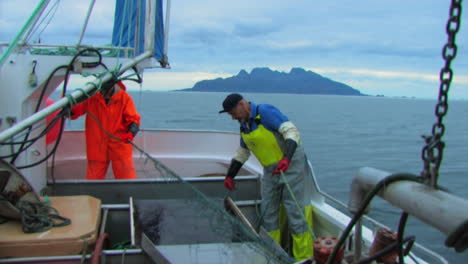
[129, 26]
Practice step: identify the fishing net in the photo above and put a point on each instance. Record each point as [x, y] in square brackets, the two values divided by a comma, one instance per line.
[172, 211]
[198, 219]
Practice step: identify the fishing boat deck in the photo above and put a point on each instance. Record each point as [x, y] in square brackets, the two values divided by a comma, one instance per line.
[200, 174]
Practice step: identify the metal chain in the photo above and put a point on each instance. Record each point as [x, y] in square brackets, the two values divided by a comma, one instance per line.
[432, 152]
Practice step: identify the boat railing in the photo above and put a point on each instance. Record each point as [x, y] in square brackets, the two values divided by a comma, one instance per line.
[54, 49]
[422, 252]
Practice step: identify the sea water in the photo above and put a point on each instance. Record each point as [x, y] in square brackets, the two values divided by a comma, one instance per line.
[341, 134]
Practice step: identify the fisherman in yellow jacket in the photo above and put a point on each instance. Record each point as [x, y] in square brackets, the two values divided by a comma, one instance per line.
[275, 142]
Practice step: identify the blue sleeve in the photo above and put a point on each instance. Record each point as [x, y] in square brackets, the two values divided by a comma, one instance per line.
[242, 143]
[271, 117]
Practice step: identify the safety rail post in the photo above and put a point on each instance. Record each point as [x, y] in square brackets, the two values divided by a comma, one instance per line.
[85, 23]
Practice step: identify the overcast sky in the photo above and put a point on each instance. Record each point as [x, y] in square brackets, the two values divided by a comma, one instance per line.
[390, 47]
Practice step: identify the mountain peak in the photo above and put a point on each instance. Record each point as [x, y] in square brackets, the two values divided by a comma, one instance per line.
[261, 71]
[242, 73]
[301, 73]
[265, 80]
[297, 71]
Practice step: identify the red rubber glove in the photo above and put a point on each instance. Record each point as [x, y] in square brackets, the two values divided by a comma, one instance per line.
[127, 137]
[229, 183]
[283, 165]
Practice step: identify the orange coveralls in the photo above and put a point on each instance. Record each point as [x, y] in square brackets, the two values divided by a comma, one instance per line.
[52, 135]
[101, 148]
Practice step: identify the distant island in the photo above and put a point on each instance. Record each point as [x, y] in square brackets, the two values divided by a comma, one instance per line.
[265, 80]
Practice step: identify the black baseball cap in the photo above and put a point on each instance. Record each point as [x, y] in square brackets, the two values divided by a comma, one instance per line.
[230, 102]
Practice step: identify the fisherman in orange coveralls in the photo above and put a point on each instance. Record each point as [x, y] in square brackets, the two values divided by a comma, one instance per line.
[52, 135]
[111, 123]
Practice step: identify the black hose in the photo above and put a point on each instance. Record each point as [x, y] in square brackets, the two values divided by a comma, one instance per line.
[62, 122]
[401, 231]
[31, 141]
[384, 182]
[68, 68]
[41, 96]
[44, 132]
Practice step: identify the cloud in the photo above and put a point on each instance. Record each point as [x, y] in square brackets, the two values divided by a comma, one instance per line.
[395, 83]
[252, 29]
[163, 81]
[63, 22]
[203, 37]
[369, 73]
[367, 43]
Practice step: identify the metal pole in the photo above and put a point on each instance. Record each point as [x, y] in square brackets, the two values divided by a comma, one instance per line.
[132, 223]
[166, 26]
[358, 241]
[136, 38]
[150, 23]
[20, 126]
[437, 208]
[85, 24]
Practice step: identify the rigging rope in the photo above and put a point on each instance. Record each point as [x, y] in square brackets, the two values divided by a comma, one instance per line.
[53, 9]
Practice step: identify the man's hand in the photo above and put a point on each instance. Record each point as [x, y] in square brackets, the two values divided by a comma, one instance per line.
[283, 166]
[77, 111]
[127, 137]
[229, 183]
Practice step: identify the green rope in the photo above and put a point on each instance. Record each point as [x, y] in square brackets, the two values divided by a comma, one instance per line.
[128, 76]
[71, 100]
[99, 76]
[122, 260]
[301, 211]
[47, 200]
[96, 86]
[39, 217]
[72, 51]
[122, 245]
[83, 91]
[83, 254]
